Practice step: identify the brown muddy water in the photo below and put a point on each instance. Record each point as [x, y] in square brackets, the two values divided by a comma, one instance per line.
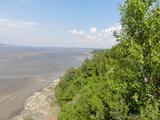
[24, 70]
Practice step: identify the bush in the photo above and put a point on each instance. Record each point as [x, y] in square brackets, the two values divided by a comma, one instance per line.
[28, 118]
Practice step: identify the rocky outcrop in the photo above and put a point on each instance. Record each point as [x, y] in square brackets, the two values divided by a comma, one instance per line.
[41, 105]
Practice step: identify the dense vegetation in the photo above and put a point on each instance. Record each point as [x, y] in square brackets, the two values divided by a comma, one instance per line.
[28, 118]
[122, 83]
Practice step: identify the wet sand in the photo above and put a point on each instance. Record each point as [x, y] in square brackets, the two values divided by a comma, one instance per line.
[41, 105]
[11, 104]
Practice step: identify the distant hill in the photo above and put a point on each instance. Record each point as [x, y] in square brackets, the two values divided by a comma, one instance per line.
[5, 45]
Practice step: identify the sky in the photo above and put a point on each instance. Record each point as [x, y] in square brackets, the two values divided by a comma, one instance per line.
[59, 23]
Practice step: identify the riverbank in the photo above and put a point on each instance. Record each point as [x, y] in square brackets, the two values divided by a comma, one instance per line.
[41, 105]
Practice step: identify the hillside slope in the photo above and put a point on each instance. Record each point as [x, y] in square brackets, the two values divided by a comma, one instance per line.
[122, 83]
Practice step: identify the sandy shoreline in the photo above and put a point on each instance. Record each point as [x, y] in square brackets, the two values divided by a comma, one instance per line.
[38, 105]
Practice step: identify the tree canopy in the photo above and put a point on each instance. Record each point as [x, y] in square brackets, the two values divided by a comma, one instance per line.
[121, 83]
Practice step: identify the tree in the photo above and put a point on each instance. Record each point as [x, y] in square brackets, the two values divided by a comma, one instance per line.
[140, 20]
[122, 83]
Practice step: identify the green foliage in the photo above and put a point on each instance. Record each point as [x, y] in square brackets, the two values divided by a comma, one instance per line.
[28, 118]
[122, 83]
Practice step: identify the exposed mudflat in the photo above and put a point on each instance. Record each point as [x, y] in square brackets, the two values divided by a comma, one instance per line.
[41, 105]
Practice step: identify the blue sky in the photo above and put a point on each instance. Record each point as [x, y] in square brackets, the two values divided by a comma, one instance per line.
[61, 23]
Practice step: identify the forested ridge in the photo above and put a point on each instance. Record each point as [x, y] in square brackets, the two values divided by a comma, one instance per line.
[121, 83]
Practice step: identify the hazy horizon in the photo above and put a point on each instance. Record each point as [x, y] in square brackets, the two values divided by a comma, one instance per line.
[29, 46]
[59, 23]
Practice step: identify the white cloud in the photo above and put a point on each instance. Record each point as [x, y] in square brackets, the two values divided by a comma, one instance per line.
[15, 24]
[102, 38]
[75, 32]
[28, 33]
[116, 27]
[18, 31]
[36, 34]
[93, 30]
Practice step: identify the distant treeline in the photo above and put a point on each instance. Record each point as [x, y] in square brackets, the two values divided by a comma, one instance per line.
[98, 51]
